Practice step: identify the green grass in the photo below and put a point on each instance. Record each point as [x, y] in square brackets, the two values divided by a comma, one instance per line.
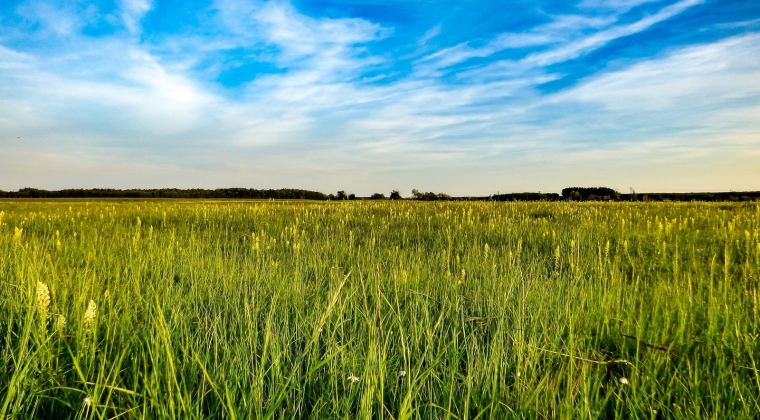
[493, 310]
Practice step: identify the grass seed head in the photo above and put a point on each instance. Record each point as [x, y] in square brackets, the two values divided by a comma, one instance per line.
[60, 323]
[90, 315]
[43, 300]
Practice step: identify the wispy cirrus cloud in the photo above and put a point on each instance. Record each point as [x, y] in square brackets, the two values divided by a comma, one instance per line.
[599, 39]
[132, 11]
[560, 29]
[429, 34]
[58, 19]
[616, 5]
[566, 37]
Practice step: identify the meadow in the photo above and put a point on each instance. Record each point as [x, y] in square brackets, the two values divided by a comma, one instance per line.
[376, 309]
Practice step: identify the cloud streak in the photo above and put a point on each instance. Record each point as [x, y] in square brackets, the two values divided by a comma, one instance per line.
[132, 11]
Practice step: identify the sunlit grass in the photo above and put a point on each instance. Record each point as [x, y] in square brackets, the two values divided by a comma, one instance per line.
[404, 310]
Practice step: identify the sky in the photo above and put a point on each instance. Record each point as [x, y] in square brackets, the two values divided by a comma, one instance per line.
[466, 97]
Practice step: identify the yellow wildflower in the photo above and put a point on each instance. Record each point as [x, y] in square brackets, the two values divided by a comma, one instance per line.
[90, 315]
[43, 300]
[60, 323]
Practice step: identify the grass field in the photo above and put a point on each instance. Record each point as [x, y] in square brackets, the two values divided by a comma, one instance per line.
[404, 310]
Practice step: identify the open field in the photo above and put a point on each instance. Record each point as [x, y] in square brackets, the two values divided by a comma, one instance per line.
[404, 310]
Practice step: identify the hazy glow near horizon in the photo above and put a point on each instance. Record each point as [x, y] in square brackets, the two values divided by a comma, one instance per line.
[456, 96]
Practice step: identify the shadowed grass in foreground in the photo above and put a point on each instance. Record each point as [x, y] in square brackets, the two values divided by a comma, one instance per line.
[171, 309]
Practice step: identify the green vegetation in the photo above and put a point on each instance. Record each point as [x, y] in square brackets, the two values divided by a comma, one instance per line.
[383, 309]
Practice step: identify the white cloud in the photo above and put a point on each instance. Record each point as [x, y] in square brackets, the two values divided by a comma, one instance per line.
[700, 79]
[557, 31]
[584, 45]
[61, 19]
[429, 34]
[132, 11]
[617, 5]
[565, 37]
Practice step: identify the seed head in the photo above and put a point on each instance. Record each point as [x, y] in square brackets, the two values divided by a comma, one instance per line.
[90, 315]
[43, 299]
[60, 323]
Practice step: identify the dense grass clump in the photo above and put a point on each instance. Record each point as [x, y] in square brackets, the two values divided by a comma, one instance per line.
[171, 309]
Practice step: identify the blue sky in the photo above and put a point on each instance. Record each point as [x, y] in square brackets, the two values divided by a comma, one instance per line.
[464, 97]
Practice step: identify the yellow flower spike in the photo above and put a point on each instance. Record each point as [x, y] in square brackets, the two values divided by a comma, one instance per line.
[60, 323]
[90, 316]
[607, 250]
[43, 300]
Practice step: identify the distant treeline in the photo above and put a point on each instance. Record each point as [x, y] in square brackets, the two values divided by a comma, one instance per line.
[714, 196]
[592, 193]
[568, 194]
[285, 193]
[526, 196]
[604, 193]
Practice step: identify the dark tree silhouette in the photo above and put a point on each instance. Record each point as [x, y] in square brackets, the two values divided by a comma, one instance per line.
[594, 193]
[235, 193]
